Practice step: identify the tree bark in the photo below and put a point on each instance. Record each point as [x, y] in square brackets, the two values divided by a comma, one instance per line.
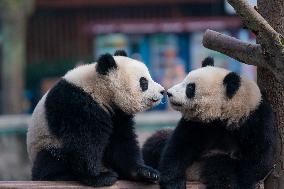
[242, 51]
[14, 14]
[273, 12]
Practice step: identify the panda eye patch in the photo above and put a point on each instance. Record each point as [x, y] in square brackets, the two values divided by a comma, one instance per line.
[190, 90]
[143, 83]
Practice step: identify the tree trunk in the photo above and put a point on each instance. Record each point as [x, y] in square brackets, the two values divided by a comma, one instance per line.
[273, 12]
[13, 65]
[14, 15]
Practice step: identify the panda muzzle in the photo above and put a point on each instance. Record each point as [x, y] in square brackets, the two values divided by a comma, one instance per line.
[155, 99]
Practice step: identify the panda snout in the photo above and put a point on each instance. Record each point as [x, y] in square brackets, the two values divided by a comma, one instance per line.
[158, 97]
[169, 94]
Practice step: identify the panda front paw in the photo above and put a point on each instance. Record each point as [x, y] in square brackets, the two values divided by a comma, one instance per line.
[103, 179]
[147, 174]
[176, 184]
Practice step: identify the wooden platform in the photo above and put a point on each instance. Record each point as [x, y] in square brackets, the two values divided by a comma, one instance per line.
[74, 185]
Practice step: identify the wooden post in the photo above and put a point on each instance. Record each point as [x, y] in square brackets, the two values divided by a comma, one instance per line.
[14, 15]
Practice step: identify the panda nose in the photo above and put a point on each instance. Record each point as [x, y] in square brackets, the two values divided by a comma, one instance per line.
[169, 94]
[163, 92]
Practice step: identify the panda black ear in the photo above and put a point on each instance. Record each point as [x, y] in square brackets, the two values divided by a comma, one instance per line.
[105, 63]
[120, 53]
[232, 82]
[209, 61]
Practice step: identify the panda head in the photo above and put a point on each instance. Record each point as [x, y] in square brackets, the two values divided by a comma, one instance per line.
[210, 93]
[118, 81]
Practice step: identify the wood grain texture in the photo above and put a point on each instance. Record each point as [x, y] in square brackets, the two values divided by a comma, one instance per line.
[242, 51]
[69, 185]
[72, 185]
[273, 12]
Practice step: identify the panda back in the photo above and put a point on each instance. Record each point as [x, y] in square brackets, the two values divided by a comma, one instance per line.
[38, 135]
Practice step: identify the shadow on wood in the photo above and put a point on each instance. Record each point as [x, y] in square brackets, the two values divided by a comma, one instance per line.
[69, 185]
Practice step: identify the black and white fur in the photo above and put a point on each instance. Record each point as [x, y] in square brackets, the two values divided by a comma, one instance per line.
[225, 138]
[82, 129]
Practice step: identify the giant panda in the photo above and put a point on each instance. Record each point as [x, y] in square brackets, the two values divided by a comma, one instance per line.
[82, 128]
[225, 138]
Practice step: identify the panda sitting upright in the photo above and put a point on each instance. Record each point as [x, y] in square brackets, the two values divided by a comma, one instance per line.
[225, 138]
[82, 129]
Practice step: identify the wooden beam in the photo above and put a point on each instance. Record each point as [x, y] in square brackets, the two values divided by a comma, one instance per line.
[80, 3]
[173, 25]
[73, 185]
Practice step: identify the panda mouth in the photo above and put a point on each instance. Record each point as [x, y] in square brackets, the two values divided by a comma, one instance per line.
[176, 104]
[155, 100]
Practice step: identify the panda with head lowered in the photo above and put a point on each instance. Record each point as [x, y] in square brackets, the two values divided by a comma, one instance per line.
[225, 138]
[82, 129]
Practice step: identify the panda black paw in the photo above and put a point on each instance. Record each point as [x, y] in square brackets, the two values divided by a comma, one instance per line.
[147, 174]
[177, 184]
[103, 179]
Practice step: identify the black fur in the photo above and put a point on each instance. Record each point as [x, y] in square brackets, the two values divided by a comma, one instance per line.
[143, 84]
[153, 147]
[190, 90]
[247, 152]
[93, 141]
[55, 168]
[120, 53]
[209, 61]
[105, 63]
[232, 81]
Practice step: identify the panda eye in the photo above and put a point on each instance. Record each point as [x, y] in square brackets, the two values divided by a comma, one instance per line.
[143, 83]
[190, 90]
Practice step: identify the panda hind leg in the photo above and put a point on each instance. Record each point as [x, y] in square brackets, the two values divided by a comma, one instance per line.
[219, 172]
[50, 165]
[48, 168]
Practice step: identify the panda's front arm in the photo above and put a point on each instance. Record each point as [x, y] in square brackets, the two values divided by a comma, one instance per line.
[123, 153]
[86, 146]
[179, 153]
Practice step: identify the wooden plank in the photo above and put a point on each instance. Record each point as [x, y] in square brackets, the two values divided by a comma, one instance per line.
[80, 3]
[72, 185]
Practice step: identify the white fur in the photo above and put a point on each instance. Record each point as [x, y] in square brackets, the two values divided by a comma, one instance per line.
[120, 86]
[81, 74]
[128, 94]
[38, 135]
[86, 77]
[210, 101]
